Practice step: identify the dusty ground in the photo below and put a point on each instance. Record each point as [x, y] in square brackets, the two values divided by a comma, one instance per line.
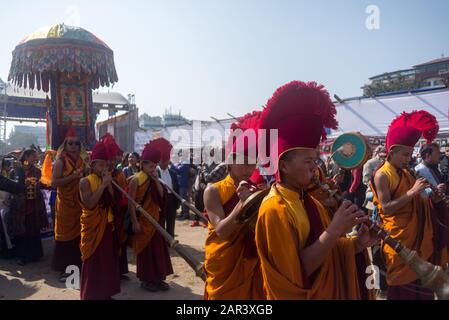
[38, 282]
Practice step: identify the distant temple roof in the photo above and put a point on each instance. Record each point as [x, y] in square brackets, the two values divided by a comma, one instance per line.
[439, 60]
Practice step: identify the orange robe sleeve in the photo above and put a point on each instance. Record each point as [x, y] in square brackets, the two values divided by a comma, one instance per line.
[93, 223]
[411, 225]
[282, 230]
[150, 205]
[232, 273]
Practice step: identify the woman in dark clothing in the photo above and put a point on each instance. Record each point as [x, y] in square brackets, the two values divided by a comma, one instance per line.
[132, 167]
[28, 216]
[8, 186]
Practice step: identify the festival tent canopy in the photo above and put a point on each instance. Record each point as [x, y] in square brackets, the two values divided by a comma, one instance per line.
[197, 134]
[372, 116]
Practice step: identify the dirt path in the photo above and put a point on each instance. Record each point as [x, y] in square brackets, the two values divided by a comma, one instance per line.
[38, 282]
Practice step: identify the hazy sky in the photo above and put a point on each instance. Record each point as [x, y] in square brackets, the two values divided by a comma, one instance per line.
[208, 58]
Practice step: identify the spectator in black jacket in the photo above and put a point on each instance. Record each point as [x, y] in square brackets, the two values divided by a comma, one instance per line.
[444, 163]
[13, 187]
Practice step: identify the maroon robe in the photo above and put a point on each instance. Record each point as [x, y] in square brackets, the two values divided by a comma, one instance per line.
[153, 263]
[66, 253]
[100, 274]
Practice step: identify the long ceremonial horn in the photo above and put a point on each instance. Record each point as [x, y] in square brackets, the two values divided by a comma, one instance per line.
[193, 263]
[432, 277]
[184, 202]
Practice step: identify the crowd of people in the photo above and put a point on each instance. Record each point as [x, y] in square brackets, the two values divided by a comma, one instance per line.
[310, 239]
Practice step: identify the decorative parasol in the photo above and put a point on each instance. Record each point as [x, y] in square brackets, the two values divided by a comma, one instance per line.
[62, 49]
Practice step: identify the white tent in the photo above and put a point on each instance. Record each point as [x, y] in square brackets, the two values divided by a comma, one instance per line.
[198, 134]
[369, 116]
[372, 116]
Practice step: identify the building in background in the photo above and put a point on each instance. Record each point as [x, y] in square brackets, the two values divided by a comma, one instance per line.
[122, 127]
[433, 74]
[38, 132]
[169, 119]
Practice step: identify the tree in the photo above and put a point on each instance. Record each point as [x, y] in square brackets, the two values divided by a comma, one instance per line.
[20, 140]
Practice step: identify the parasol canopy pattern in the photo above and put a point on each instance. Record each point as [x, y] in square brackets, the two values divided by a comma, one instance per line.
[62, 49]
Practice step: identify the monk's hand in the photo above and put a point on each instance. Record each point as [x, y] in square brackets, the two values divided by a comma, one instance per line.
[418, 187]
[345, 218]
[107, 178]
[244, 190]
[137, 228]
[338, 178]
[330, 202]
[78, 173]
[442, 188]
[154, 174]
[365, 238]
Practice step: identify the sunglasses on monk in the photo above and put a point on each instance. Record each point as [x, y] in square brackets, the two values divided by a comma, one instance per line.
[74, 143]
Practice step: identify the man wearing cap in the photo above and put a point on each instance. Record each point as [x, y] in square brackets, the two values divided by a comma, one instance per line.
[69, 168]
[372, 164]
[231, 262]
[153, 260]
[304, 253]
[100, 275]
[403, 206]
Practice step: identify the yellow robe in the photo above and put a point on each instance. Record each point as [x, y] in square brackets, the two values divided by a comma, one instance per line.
[404, 225]
[68, 207]
[141, 240]
[93, 222]
[282, 231]
[230, 275]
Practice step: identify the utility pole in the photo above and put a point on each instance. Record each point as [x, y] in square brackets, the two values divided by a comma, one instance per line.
[131, 130]
[4, 87]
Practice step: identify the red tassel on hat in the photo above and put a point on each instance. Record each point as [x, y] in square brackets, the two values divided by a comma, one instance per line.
[240, 143]
[71, 131]
[112, 148]
[99, 152]
[150, 153]
[407, 129]
[163, 146]
[300, 112]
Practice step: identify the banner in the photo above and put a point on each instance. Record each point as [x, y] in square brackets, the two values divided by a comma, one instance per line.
[140, 139]
[72, 102]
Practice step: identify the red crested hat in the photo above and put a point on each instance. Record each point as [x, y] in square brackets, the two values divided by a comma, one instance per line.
[112, 148]
[407, 129]
[150, 153]
[99, 152]
[164, 147]
[71, 131]
[243, 137]
[300, 112]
